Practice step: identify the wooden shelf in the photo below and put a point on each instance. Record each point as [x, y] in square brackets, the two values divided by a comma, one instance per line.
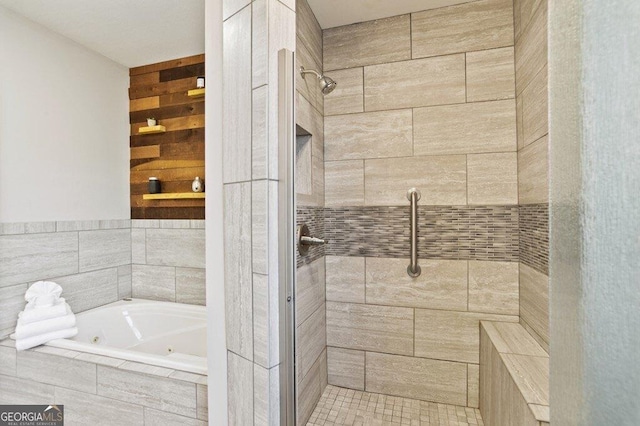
[173, 196]
[196, 93]
[151, 130]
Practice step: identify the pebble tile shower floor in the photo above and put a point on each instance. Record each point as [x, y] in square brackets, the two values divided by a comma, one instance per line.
[340, 406]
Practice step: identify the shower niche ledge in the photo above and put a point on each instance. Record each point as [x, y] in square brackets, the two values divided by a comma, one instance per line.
[174, 196]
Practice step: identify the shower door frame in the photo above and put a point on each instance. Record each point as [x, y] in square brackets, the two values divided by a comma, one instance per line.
[286, 234]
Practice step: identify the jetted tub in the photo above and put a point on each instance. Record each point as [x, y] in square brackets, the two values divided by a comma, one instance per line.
[171, 335]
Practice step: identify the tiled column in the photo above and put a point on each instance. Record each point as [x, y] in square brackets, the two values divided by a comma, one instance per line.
[254, 32]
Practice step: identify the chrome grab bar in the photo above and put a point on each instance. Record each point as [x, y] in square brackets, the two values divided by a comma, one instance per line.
[413, 195]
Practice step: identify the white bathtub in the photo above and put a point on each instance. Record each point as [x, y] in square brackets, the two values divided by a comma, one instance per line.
[171, 335]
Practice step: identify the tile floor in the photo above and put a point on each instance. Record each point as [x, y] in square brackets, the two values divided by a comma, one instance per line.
[340, 406]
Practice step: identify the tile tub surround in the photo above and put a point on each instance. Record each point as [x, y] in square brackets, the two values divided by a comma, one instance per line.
[168, 260]
[91, 260]
[97, 390]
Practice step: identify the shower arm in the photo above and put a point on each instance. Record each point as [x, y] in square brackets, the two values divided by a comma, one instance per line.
[304, 71]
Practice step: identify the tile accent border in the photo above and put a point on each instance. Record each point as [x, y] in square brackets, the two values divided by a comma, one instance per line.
[534, 236]
[445, 232]
[314, 218]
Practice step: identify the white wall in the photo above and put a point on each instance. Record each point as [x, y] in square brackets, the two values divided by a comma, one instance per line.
[64, 132]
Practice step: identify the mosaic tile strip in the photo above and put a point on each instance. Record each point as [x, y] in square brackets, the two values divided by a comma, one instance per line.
[314, 218]
[444, 232]
[534, 236]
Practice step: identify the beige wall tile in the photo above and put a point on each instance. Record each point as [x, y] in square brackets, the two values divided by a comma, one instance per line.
[57, 370]
[162, 247]
[308, 29]
[311, 120]
[535, 109]
[531, 48]
[534, 335]
[240, 390]
[534, 300]
[519, 123]
[260, 132]
[440, 179]
[473, 385]
[442, 284]
[416, 83]
[478, 25]
[533, 172]
[236, 93]
[238, 275]
[366, 43]
[11, 303]
[311, 340]
[14, 390]
[7, 361]
[82, 408]
[451, 336]
[348, 96]
[511, 338]
[492, 178]
[346, 368]
[531, 375]
[259, 42]
[190, 286]
[310, 289]
[367, 327]
[344, 183]
[261, 321]
[493, 287]
[523, 11]
[162, 418]
[307, 85]
[104, 249]
[309, 390]
[229, 7]
[368, 135]
[418, 378]
[345, 279]
[490, 75]
[465, 128]
[153, 282]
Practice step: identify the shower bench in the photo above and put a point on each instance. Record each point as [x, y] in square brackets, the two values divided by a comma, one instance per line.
[514, 376]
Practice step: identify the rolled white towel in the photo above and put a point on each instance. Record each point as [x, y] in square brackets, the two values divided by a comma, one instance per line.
[43, 293]
[32, 313]
[32, 329]
[30, 342]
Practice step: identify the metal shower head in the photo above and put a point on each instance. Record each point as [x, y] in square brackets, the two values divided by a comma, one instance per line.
[327, 84]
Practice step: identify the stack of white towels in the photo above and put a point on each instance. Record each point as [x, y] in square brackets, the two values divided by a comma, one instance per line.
[45, 317]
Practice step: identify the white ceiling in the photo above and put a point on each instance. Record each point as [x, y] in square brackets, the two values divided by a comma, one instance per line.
[130, 32]
[335, 13]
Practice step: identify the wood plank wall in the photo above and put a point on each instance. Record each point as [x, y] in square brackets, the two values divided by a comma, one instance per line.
[177, 156]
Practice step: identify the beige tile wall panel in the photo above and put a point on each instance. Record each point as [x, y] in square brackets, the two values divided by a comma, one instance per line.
[344, 183]
[310, 289]
[534, 300]
[511, 338]
[442, 180]
[310, 119]
[533, 172]
[229, 7]
[311, 340]
[465, 128]
[367, 43]
[531, 48]
[14, 390]
[348, 95]
[492, 178]
[346, 368]
[418, 378]
[309, 389]
[368, 135]
[308, 85]
[531, 374]
[478, 25]
[442, 284]
[345, 279]
[534, 335]
[535, 108]
[490, 75]
[259, 43]
[240, 390]
[367, 327]
[473, 385]
[451, 336]
[417, 83]
[236, 93]
[309, 31]
[260, 132]
[523, 11]
[88, 409]
[494, 287]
